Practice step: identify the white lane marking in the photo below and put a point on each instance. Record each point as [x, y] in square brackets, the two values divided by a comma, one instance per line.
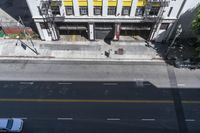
[64, 83]
[24, 118]
[64, 119]
[181, 85]
[148, 119]
[113, 119]
[110, 84]
[26, 83]
[190, 120]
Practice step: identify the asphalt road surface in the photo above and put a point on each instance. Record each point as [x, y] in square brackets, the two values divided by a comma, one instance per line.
[100, 107]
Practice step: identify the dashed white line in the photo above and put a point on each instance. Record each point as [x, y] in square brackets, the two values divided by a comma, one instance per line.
[110, 84]
[26, 83]
[190, 120]
[113, 119]
[148, 119]
[24, 118]
[64, 83]
[181, 85]
[64, 119]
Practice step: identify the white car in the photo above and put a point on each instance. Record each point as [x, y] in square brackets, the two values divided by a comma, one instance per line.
[11, 125]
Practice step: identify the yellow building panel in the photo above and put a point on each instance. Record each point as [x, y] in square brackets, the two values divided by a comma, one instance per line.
[112, 2]
[142, 2]
[82, 2]
[97, 2]
[68, 3]
[127, 2]
[156, 4]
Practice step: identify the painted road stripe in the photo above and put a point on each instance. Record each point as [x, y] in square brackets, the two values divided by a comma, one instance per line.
[64, 83]
[113, 119]
[148, 119]
[190, 120]
[110, 84]
[64, 119]
[96, 101]
[26, 83]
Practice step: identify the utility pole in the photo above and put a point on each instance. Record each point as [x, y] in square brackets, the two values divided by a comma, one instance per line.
[178, 32]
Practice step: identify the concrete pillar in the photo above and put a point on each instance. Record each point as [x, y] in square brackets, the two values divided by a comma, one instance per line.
[42, 37]
[117, 32]
[91, 31]
[54, 33]
[105, 8]
[90, 8]
[119, 7]
[133, 8]
[155, 32]
[62, 9]
[76, 8]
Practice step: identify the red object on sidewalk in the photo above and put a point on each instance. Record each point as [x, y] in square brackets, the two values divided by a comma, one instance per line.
[16, 30]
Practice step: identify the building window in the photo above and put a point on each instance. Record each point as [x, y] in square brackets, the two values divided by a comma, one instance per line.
[55, 10]
[154, 11]
[170, 11]
[55, 7]
[139, 11]
[69, 10]
[164, 26]
[126, 10]
[83, 10]
[97, 10]
[111, 10]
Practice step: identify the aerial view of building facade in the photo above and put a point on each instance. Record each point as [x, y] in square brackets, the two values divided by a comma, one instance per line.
[100, 66]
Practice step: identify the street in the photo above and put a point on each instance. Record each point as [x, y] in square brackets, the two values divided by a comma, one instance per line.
[80, 107]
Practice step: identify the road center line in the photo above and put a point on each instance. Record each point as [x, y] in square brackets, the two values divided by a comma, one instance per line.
[113, 119]
[148, 119]
[63, 119]
[110, 84]
[95, 101]
[64, 83]
[26, 83]
[190, 120]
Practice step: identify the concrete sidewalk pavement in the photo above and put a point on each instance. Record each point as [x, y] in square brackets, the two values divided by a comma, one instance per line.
[96, 50]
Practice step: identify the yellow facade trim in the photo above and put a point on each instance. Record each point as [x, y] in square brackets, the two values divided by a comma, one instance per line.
[68, 3]
[82, 2]
[127, 2]
[142, 2]
[112, 2]
[97, 2]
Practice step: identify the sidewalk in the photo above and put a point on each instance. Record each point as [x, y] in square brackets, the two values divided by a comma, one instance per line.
[96, 50]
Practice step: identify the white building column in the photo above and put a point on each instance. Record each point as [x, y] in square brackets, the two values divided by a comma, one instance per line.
[133, 8]
[91, 32]
[90, 8]
[105, 8]
[62, 9]
[119, 7]
[76, 8]
[117, 32]
[42, 37]
[155, 32]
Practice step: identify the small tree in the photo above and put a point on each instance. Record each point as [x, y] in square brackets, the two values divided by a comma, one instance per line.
[196, 27]
[196, 22]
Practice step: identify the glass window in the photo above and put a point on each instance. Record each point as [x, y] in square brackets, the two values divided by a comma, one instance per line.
[154, 11]
[83, 10]
[126, 10]
[139, 11]
[164, 26]
[69, 10]
[97, 10]
[55, 10]
[9, 124]
[111, 10]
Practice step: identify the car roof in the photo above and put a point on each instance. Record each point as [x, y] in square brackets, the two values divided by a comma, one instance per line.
[3, 123]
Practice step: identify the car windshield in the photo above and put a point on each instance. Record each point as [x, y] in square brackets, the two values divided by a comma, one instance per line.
[9, 124]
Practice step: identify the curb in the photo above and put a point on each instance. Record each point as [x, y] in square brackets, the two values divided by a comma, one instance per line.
[51, 58]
